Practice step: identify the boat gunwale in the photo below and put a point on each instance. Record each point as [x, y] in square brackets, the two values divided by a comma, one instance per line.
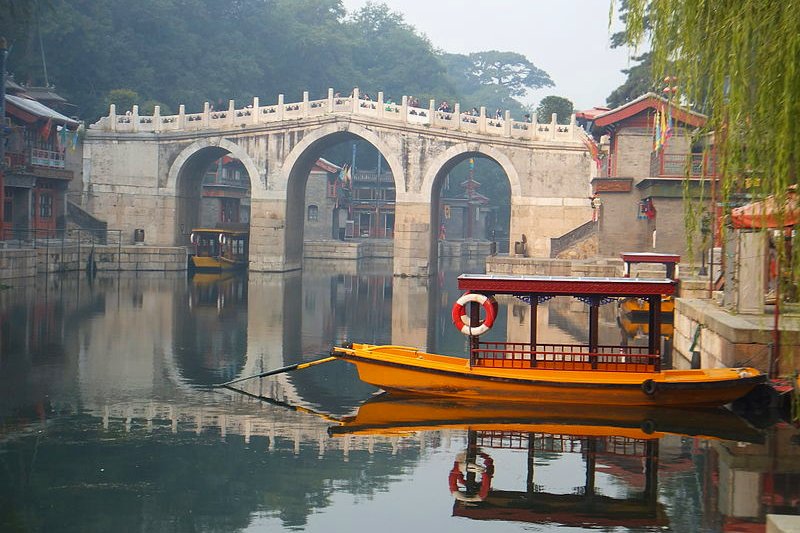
[663, 385]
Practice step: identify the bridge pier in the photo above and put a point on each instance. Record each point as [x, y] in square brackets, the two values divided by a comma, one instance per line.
[412, 239]
[269, 249]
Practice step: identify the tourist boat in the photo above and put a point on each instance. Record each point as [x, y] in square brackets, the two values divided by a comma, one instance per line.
[533, 372]
[217, 250]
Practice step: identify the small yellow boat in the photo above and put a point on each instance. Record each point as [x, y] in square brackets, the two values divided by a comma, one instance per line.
[218, 250]
[407, 370]
[536, 372]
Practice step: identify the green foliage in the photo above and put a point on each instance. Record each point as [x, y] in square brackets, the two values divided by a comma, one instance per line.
[494, 79]
[739, 62]
[640, 81]
[193, 51]
[554, 104]
[123, 99]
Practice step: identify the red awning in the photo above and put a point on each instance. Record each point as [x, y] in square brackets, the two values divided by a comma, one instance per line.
[765, 213]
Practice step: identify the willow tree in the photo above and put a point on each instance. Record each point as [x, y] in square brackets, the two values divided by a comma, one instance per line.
[738, 61]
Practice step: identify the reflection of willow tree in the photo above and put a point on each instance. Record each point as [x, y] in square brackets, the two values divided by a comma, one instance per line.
[748, 83]
[80, 478]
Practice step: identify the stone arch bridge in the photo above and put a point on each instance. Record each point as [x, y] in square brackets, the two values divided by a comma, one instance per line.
[146, 171]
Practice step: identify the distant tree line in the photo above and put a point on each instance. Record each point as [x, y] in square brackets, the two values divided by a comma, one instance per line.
[171, 52]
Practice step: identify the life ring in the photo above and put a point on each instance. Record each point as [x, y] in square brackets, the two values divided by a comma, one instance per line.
[221, 238]
[457, 479]
[192, 238]
[462, 321]
[649, 387]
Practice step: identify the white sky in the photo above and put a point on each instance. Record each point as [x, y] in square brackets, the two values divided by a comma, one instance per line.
[568, 39]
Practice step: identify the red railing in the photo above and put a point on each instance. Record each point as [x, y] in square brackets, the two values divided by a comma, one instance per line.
[681, 165]
[607, 358]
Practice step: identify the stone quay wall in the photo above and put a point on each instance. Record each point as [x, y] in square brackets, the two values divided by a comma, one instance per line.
[27, 262]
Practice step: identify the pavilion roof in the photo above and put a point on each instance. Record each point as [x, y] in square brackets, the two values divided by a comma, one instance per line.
[565, 286]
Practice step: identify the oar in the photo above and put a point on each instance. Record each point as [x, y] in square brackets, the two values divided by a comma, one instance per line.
[297, 408]
[297, 366]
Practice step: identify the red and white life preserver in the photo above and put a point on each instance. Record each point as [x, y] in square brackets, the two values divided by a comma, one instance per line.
[457, 478]
[192, 238]
[461, 319]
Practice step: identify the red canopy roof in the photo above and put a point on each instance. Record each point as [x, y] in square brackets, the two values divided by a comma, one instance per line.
[766, 213]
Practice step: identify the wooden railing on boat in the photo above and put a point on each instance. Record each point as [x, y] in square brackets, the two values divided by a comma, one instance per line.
[607, 358]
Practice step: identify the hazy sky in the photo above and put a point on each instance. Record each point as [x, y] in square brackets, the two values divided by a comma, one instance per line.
[568, 39]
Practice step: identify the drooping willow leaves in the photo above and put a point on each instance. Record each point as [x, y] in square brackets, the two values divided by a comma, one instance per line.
[737, 61]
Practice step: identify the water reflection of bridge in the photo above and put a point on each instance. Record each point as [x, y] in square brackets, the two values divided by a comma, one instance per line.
[247, 418]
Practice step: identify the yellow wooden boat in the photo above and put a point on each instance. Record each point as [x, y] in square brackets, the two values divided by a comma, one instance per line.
[408, 370]
[219, 250]
[535, 372]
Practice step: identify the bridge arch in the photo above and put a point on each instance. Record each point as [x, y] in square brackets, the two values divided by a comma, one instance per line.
[191, 162]
[293, 174]
[449, 158]
[330, 135]
[441, 165]
[175, 170]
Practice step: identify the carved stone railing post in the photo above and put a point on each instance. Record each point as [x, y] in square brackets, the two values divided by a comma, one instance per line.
[330, 99]
[135, 118]
[380, 104]
[157, 119]
[507, 124]
[281, 107]
[112, 116]
[305, 104]
[404, 109]
[534, 125]
[256, 111]
[182, 117]
[231, 113]
[573, 129]
[355, 100]
[206, 115]
[553, 126]
[457, 116]
[432, 111]
[482, 120]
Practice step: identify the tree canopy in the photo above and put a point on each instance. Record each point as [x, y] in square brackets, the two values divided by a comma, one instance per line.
[494, 79]
[562, 107]
[193, 51]
[738, 62]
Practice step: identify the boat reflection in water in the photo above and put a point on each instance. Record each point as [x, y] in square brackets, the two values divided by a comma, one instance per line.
[610, 441]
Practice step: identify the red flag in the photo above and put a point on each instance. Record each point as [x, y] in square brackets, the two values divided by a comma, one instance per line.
[45, 131]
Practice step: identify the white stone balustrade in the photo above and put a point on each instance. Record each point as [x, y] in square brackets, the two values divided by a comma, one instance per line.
[255, 115]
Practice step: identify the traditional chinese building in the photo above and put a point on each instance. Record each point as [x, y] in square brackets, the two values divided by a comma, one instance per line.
[36, 174]
[644, 154]
[225, 194]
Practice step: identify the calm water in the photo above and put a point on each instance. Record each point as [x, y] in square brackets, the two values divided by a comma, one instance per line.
[108, 421]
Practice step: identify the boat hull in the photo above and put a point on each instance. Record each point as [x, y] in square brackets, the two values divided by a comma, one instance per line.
[215, 264]
[407, 370]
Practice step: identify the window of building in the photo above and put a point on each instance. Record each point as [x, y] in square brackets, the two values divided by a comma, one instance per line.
[45, 205]
[313, 213]
[8, 207]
